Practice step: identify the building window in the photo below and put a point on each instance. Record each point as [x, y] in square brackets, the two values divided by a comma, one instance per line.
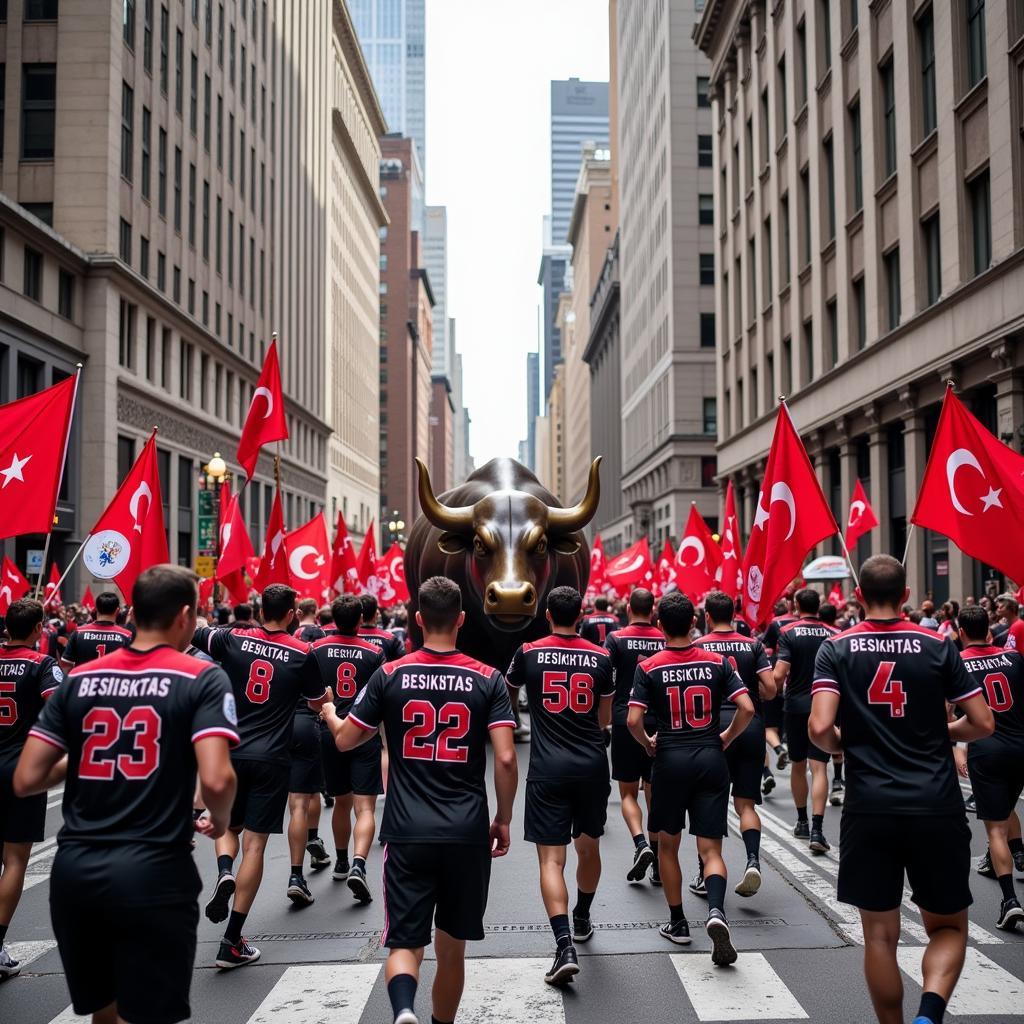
[856, 159]
[805, 217]
[801, 64]
[832, 326]
[780, 87]
[165, 359]
[206, 221]
[128, 22]
[891, 265]
[179, 71]
[749, 146]
[41, 211]
[706, 205]
[207, 105]
[165, 43]
[926, 56]
[126, 335]
[707, 330]
[127, 122]
[40, 10]
[981, 221]
[830, 189]
[860, 312]
[888, 91]
[66, 294]
[703, 91]
[808, 360]
[147, 36]
[144, 256]
[976, 61]
[787, 366]
[765, 128]
[125, 456]
[854, 14]
[161, 271]
[193, 100]
[176, 284]
[784, 256]
[185, 371]
[220, 35]
[177, 189]
[161, 173]
[707, 268]
[932, 262]
[708, 470]
[125, 246]
[147, 121]
[231, 148]
[192, 205]
[217, 235]
[704, 151]
[825, 24]
[38, 110]
[33, 274]
[766, 260]
[3, 100]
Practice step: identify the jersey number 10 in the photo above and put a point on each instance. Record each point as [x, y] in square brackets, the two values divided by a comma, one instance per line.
[685, 705]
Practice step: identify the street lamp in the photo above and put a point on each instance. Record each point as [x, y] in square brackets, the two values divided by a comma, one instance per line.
[395, 526]
[216, 469]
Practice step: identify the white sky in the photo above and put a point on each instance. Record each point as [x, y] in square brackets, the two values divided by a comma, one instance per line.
[489, 65]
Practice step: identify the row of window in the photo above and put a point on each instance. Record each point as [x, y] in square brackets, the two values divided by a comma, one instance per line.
[33, 281]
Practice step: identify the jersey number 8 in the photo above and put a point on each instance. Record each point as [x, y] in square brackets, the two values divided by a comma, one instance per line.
[257, 686]
[346, 680]
[578, 695]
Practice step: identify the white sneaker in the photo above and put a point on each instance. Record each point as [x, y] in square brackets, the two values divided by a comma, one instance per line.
[9, 967]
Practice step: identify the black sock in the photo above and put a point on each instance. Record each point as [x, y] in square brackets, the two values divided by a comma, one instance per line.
[402, 993]
[297, 870]
[342, 856]
[801, 813]
[224, 863]
[1016, 845]
[233, 932]
[675, 913]
[311, 834]
[654, 847]
[838, 766]
[765, 772]
[778, 748]
[933, 1006]
[752, 841]
[560, 926]
[639, 840]
[434, 1020]
[3, 934]
[817, 822]
[584, 900]
[359, 862]
[1005, 883]
[715, 885]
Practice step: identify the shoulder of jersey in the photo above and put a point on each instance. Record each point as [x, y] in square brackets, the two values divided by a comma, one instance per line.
[989, 651]
[24, 654]
[868, 628]
[162, 659]
[283, 639]
[576, 642]
[340, 640]
[733, 637]
[422, 658]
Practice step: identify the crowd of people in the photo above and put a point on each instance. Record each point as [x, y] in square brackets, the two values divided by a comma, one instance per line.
[166, 728]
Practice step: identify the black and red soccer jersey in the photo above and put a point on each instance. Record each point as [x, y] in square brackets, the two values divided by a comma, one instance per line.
[893, 679]
[565, 678]
[747, 656]
[436, 709]
[799, 642]
[684, 688]
[627, 647]
[27, 680]
[346, 664]
[392, 647]
[95, 640]
[596, 628]
[270, 671]
[771, 634]
[309, 632]
[1000, 674]
[128, 722]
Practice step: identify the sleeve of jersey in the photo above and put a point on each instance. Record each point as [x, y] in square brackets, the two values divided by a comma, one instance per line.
[514, 676]
[202, 639]
[71, 648]
[313, 687]
[51, 676]
[214, 712]
[367, 709]
[606, 677]
[50, 726]
[734, 685]
[499, 711]
[960, 685]
[639, 697]
[826, 678]
[761, 662]
[782, 649]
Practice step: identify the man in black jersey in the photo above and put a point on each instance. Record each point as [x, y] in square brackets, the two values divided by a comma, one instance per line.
[684, 687]
[773, 709]
[596, 627]
[354, 777]
[269, 671]
[569, 688]
[745, 756]
[631, 764]
[797, 648]
[308, 628]
[887, 682]
[135, 725]
[437, 707]
[995, 764]
[242, 613]
[370, 630]
[95, 639]
[829, 614]
[27, 680]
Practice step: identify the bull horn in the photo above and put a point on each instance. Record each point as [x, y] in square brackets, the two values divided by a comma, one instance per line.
[569, 520]
[444, 517]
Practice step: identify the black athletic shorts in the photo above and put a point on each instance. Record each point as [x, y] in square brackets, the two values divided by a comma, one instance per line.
[425, 882]
[22, 819]
[102, 938]
[934, 851]
[772, 710]
[352, 771]
[799, 743]
[745, 758]
[307, 775]
[557, 812]
[997, 780]
[630, 762]
[690, 782]
[262, 796]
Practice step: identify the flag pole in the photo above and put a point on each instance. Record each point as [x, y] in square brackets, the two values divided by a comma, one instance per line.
[906, 550]
[849, 560]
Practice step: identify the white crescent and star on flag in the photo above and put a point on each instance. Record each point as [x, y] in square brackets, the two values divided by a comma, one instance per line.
[14, 470]
[857, 508]
[780, 492]
[965, 457]
[698, 549]
[142, 491]
[298, 558]
[266, 393]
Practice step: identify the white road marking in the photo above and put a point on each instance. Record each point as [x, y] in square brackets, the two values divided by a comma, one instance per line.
[68, 1016]
[749, 991]
[319, 994]
[984, 988]
[27, 952]
[509, 991]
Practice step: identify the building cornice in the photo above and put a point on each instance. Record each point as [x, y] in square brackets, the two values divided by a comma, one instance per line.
[346, 33]
[370, 193]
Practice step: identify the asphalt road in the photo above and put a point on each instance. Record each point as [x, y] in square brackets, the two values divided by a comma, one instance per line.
[800, 951]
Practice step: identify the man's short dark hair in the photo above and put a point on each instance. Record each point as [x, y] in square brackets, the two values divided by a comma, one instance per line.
[306, 607]
[242, 612]
[973, 621]
[1010, 602]
[160, 592]
[828, 613]
[22, 617]
[780, 608]
[278, 601]
[676, 614]
[601, 604]
[440, 603]
[883, 580]
[719, 607]
[565, 605]
[326, 616]
[370, 606]
[107, 603]
[641, 602]
[808, 601]
[347, 611]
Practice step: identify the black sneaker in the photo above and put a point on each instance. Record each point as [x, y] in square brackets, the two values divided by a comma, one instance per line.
[298, 892]
[767, 783]
[328, 800]
[723, 952]
[970, 805]
[223, 890]
[643, 858]
[655, 878]
[237, 954]
[582, 929]
[357, 884]
[783, 760]
[802, 830]
[1010, 913]
[9, 967]
[676, 931]
[318, 856]
[835, 798]
[985, 868]
[751, 880]
[565, 967]
[697, 886]
[341, 869]
[1018, 860]
[818, 843]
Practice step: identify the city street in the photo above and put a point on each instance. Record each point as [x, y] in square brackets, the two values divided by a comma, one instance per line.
[800, 952]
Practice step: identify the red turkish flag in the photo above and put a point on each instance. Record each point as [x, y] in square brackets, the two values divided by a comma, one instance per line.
[129, 536]
[33, 442]
[88, 601]
[973, 491]
[51, 592]
[697, 559]
[344, 571]
[273, 567]
[729, 577]
[391, 577]
[367, 563]
[13, 586]
[792, 516]
[205, 594]
[862, 517]
[666, 575]
[265, 421]
[235, 545]
[630, 567]
[835, 596]
[309, 559]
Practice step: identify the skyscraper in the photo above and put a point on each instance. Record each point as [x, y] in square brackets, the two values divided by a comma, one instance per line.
[435, 259]
[554, 261]
[532, 407]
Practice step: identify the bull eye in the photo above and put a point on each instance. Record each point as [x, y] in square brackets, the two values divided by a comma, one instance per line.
[479, 548]
[541, 547]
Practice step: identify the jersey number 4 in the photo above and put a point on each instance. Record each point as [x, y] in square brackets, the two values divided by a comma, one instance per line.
[563, 691]
[888, 691]
[424, 719]
[104, 727]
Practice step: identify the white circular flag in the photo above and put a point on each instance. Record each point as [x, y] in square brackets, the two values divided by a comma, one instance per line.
[106, 554]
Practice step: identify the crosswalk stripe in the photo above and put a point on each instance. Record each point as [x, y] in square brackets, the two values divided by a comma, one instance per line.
[27, 952]
[68, 1016]
[749, 991]
[509, 991]
[985, 989]
[318, 994]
